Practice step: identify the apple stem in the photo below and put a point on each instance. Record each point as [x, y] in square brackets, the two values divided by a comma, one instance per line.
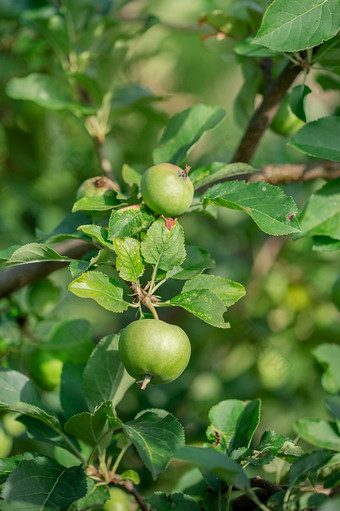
[144, 382]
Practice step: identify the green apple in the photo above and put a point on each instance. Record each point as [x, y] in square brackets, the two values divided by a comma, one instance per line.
[286, 123]
[46, 369]
[5, 443]
[166, 189]
[43, 296]
[118, 501]
[153, 350]
[95, 186]
[12, 426]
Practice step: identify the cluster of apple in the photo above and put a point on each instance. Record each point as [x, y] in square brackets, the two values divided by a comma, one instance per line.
[152, 350]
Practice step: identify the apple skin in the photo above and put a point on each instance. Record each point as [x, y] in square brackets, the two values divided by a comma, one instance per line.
[95, 186]
[6, 443]
[166, 189]
[155, 348]
[46, 369]
[286, 123]
[118, 501]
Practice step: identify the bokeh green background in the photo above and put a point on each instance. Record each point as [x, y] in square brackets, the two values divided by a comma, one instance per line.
[45, 156]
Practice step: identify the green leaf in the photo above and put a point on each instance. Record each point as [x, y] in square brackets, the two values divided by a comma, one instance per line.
[267, 205]
[98, 233]
[197, 260]
[247, 424]
[297, 101]
[71, 393]
[129, 221]
[224, 417]
[102, 289]
[333, 405]
[42, 484]
[156, 439]
[318, 432]
[94, 428]
[248, 48]
[105, 378]
[270, 445]
[307, 466]
[204, 176]
[229, 292]
[163, 246]
[103, 202]
[319, 138]
[204, 304]
[244, 104]
[130, 475]
[217, 463]
[233, 423]
[41, 432]
[68, 335]
[184, 130]
[174, 502]
[34, 253]
[131, 176]
[7, 253]
[18, 394]
[321, 213]
[129, 262]
[66, 229]
[328, 356]
[325, 244]
[44, 91]
[298, 25]
[7, 465]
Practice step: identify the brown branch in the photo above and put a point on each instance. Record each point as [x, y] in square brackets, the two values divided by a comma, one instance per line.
[104, 163]
[264, 114]
[130, 488]
[297, 172]
[265, 490]
[23, 274]
[285, 173]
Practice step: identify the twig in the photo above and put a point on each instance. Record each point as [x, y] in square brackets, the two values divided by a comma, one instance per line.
[266, 489]
[104, 162]
[264, 114]
[19, 276]
[285, 173]
[130, 488]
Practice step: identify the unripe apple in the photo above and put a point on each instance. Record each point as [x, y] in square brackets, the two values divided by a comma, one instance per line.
[46, 369]
[154, 351]
[166, 189]
[95, 186]
[118, 501]
[286, 123]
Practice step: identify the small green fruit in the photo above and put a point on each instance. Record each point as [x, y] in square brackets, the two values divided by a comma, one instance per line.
[12, 426]
[46, 369]
[118, 501]
[95, 187]
[43, 296]
[167, 189]
[286, 123]
[152, 350]
[5, 443]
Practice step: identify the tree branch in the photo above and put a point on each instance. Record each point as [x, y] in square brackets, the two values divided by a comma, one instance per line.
[285, 173]
[21, 275]
[264, 114]
[130, 488]
[264, 491]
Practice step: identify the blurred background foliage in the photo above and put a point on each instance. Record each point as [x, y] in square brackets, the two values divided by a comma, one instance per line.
[158, 60]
